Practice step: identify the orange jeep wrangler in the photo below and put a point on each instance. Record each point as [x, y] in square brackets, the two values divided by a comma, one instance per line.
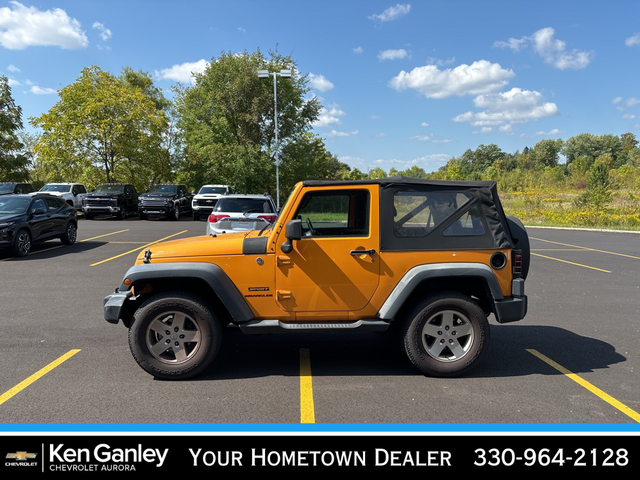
[433, 258]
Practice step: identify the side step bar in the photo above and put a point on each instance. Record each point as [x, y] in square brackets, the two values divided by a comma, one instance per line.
[276, 326]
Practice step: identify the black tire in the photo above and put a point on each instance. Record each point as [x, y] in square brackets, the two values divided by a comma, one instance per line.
[182, 323]
[176, 213]
[88, 216]
[196, 217]
[122, 213]
[70, 234]
[446, 334]
[143, 216]
[22, 243]
[520, 236]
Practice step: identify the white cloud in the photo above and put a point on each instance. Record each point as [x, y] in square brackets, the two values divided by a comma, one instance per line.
[477, 78]
[358, 50]
[13, 68]
[624, 103]
[393, 54]
[42, 91]
[22, 27]
[552, 50]
[320, 82]
[329, 116]
[334, 133]
[105, 33]
[506, 108]
[391, 13]
[183, 72]
[633, 40]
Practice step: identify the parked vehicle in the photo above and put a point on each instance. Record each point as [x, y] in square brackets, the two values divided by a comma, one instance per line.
[115, 199]
[432, 259]
[206, 198]
[8, 188]
[239, 213]
[168, 200]
[35, 217]
[72, 193]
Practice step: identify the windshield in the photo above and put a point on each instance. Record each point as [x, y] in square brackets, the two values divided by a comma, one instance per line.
[163, 189]
[218, 190]
[109, 189]
[55, 188]
[243, 205]
[14, 205]
[6, 187]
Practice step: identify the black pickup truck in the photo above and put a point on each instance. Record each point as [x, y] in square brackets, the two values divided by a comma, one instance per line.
[115, 199]
[169, 200]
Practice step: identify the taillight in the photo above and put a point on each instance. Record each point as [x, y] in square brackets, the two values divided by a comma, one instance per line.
[516, 262]
[269, 218]
[213, 218]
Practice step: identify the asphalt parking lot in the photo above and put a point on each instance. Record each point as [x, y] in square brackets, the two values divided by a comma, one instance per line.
[572, 360]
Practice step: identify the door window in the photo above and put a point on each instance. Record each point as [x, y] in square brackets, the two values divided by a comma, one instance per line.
[335, 214]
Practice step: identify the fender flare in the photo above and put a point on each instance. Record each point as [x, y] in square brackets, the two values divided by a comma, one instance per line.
[211, 274]
[416, 275]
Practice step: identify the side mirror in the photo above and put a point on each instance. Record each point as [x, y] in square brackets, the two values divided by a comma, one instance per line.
[293, 231]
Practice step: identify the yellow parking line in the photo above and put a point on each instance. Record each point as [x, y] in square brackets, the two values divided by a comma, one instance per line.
[307, 414]
[105, 235]
[580, 381]
[587, 248]
[25, 383]
[572, 263]
[137, 249]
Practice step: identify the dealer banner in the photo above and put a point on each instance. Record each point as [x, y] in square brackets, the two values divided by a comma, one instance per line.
[228, 454]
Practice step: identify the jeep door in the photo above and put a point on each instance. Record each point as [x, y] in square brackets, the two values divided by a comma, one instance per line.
[334, 268]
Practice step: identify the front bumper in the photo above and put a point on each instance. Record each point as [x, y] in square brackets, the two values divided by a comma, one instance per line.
[112, 305]
[111, 209]
[155, 209]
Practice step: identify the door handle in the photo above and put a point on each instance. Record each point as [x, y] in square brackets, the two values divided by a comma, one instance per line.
[371, 252]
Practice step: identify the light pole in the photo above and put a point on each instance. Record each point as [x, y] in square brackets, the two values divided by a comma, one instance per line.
[284, 74]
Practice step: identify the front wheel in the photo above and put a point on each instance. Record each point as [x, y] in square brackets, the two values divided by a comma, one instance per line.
[175, 336]
[446, 335]
[22, 243]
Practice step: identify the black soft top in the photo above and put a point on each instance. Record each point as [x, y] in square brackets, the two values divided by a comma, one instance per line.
[485, 194]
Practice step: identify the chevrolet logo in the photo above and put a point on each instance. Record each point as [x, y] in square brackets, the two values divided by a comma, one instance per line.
[21, 455]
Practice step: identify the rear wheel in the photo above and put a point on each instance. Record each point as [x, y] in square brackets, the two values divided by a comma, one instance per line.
[446, 335]
[70, 234]
[175, 336]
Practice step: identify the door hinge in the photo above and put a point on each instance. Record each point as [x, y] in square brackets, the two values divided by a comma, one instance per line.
[283, 294]
[283, 260]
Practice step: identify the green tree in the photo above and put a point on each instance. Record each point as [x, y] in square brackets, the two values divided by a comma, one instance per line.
[229, 109]
[546, 153]
[105, 128]
[13, 163]
[599, 192]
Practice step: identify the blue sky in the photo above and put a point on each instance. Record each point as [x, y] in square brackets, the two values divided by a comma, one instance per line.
[402, 84]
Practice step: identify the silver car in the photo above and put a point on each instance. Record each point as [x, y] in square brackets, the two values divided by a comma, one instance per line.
[239, 213]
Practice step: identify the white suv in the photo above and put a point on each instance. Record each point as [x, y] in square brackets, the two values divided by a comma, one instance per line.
[204, 201]
[239, 213]
[71, 192]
